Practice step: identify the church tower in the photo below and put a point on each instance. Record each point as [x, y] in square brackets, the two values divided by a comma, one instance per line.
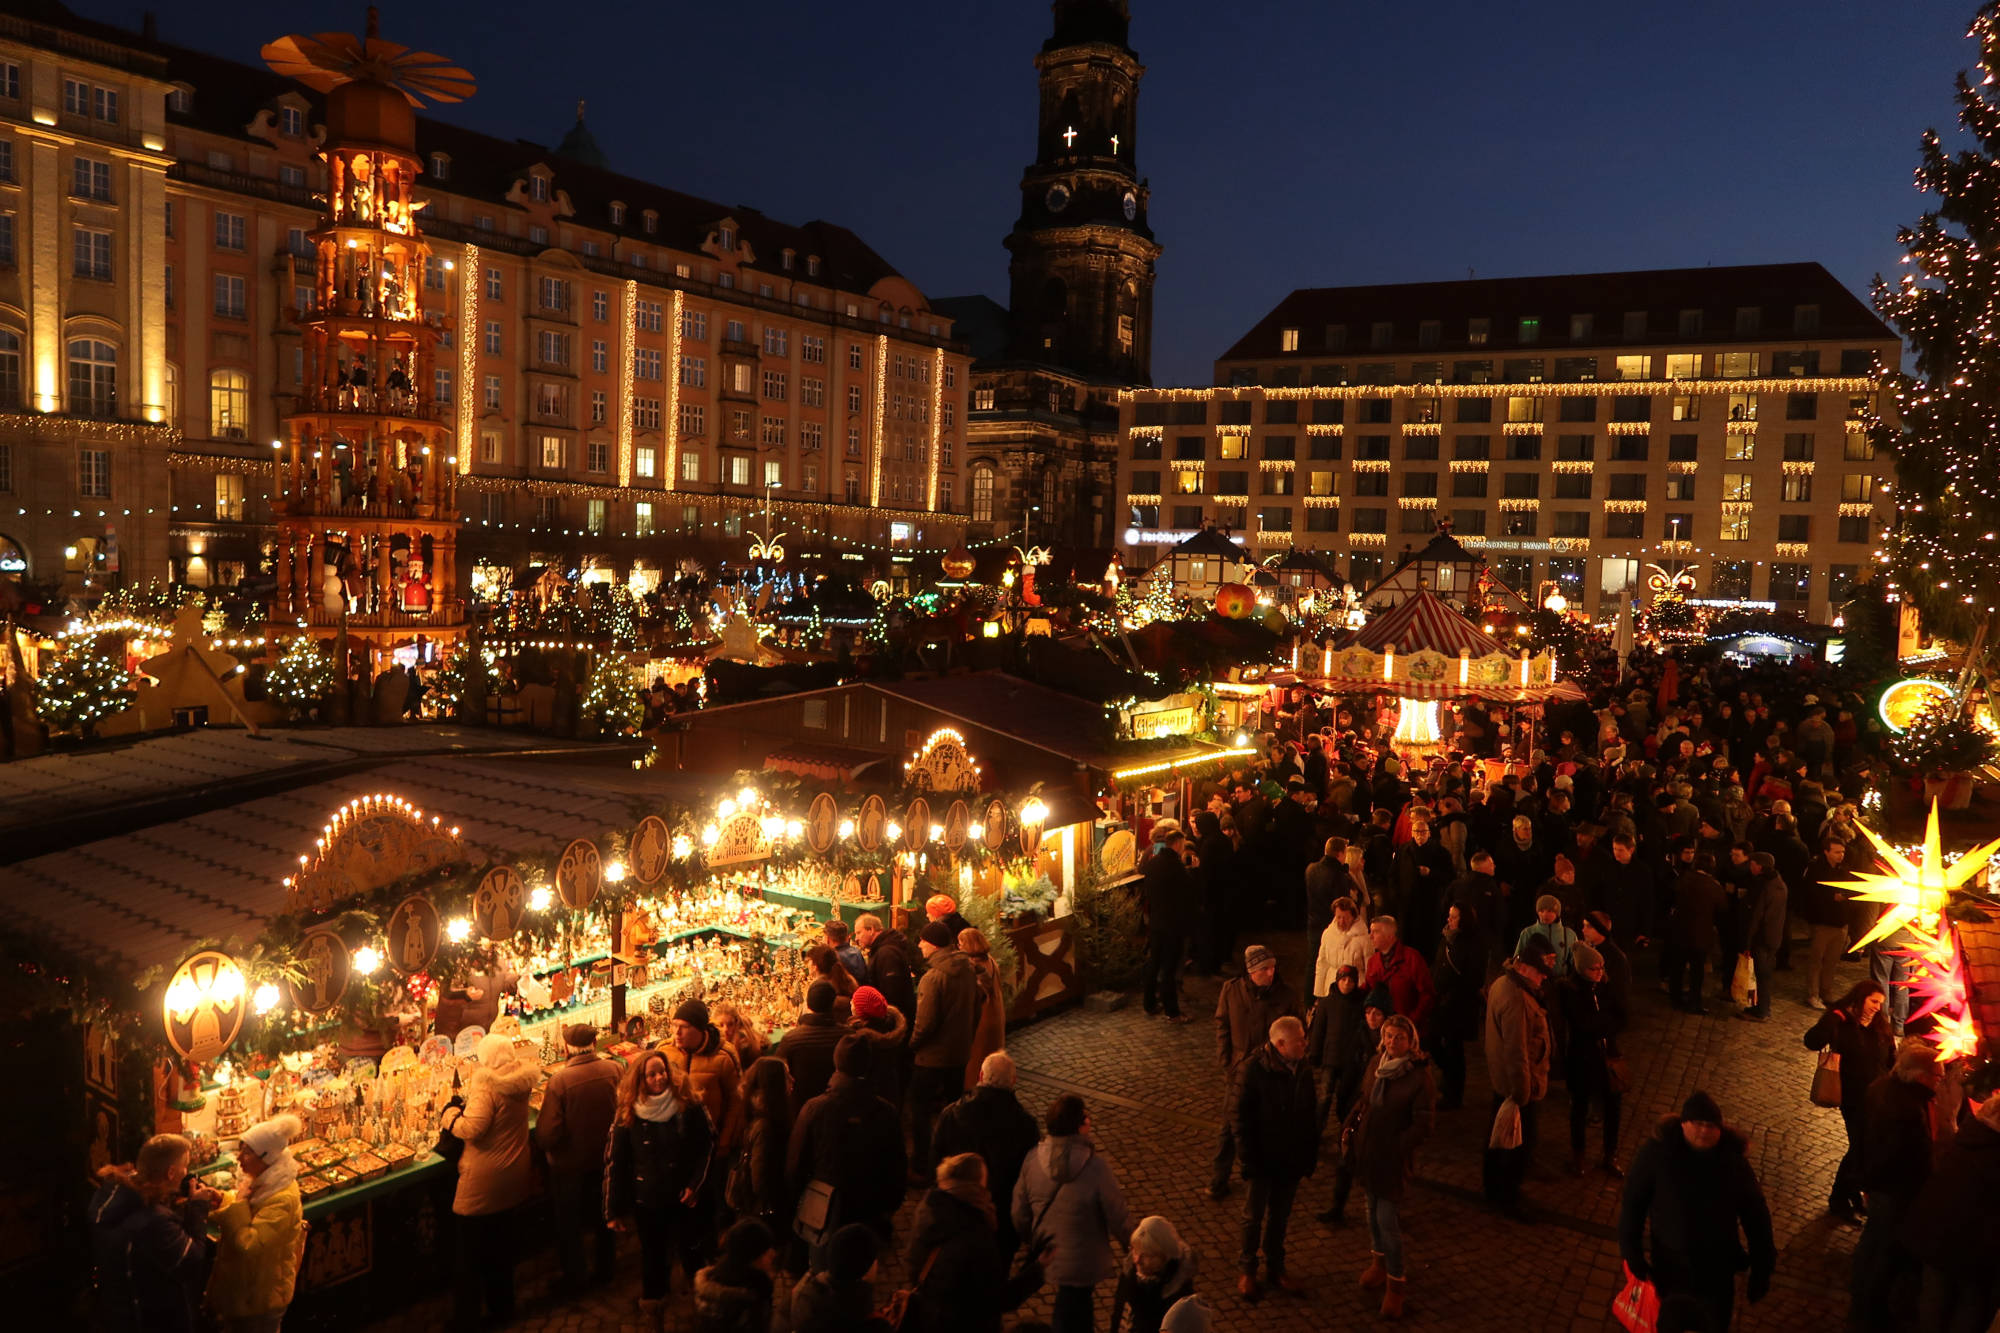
[1082, 272]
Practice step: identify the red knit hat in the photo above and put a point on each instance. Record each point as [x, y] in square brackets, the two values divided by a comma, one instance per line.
[868, 1004]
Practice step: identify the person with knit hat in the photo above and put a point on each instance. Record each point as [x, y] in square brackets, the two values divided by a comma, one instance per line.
[1158, 1272]
[495, 1174]
[888, 1031]
[943, 907]
[942, 1033]
[807, 1047]
[577, 1105]
[259, 1235]
[1190, 1314]
[1244, 1012]
[1593, 1018]
[1549, 925]
[838, 1295]
[851, 1142]
[1517, 1064]
[733, 1294]
[698, 1054]
[1693, 1215]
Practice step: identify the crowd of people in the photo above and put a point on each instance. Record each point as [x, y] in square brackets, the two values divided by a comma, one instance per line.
[1700, 818]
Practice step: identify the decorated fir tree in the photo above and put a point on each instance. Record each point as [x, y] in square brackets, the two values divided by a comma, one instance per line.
[82, 683]
[1943, 740]
[611, 698]
[1943, 553]
[302, 677]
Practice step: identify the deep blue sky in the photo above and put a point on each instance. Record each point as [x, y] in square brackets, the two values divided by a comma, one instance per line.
[1288, 142]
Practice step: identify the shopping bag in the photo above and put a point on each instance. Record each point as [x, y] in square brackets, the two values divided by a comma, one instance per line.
[1826, 1080]
[1743, 986]
[1637, 1307]
[1506, 1126]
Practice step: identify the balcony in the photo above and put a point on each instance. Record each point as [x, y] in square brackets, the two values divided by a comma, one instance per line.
[195, 173]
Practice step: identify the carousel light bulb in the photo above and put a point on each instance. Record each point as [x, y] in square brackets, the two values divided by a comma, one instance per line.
[541, 898]
[1242, 738]
[266, 998]
[846, 828]
[458, 930]
[614, 872]
[746, 797]
[367, 960]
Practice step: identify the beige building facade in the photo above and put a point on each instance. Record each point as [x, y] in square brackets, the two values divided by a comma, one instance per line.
[630, 374]
[1572, 429]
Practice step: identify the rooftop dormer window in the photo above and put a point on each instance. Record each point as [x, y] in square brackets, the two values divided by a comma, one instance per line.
[440, 167]
[617, 213]
[538, 188]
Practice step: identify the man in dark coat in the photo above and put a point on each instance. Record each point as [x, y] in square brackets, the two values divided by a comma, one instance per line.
[807, 1049]
[1219, 872]
[1690, 1191]
[849, 1138]
[577, 1106]
[1698, 907]
[1292, 832]
[150, 1245]
[1244, 1012]
[990, 1121]
[1901, 1114]
[1952, 1226]
[1173, 913]
[1327, 881]
[1277, 1129]
[888, 963]
[1764, 929]
[1424, 873]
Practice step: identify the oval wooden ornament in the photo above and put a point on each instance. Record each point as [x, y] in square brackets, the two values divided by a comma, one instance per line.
[579, 874]
[822, 823]
[917, 825]
[414, 932]
[499, 903]
[651, 845]
[322, 956]
[868, 828]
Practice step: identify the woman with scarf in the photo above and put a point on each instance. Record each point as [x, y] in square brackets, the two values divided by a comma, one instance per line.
[960, 1279]
[1158, 1271]
[261, 1235]
[1393, 1115]
[657, 1159]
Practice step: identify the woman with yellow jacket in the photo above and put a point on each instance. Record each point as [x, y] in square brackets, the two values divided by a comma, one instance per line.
[262, 1234]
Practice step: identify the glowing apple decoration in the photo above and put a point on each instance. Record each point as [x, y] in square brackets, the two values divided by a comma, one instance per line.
[1233, 601]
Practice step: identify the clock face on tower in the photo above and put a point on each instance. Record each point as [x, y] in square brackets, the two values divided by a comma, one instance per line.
[1131, 206]
[1058, 197]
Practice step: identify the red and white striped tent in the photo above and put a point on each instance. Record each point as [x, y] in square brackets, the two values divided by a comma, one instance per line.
[1424, 621]
[1424, 648]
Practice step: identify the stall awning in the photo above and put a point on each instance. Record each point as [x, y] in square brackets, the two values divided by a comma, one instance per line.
[826, 762]
[1560, 692]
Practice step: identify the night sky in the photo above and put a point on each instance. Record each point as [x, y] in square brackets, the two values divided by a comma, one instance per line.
[1288, 144]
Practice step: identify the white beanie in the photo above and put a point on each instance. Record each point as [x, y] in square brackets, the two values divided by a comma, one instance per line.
[270, 1139]
[494, 1051]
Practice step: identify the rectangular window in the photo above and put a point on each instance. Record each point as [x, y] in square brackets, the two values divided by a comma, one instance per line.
[1523, 447]
[1628, 526]
[642, 518]
[228, 231]
[1576, 448]
[1572, 523]
[736, 469]
[1423, 448]
[552, 451]
[1681, 486]
[76, 98]
[694, 420]
[1520, 485]
[593, 515]
[646, 363]
[555, 294]
[1798, 446]
[1371, 520]
[495, 288]
[600, 306]
[1852, 528]
[10, 81]
[1468, 485]
[92, 253]
[229, 299]
[1790, 581]
[554, 349]
[774, 385]
[489, 446]
[600, 356]
[104, 105]
[1577, 408]
[1735, 487]
[1684, 365]
[93, 470]
[1573, 485]
[597, 456]
[1739, 448]
[1638, 367]
[775, 341]
[441, 384]
[694, 325]
[812, 349]
[90, 179]
[651, 316]
[1738, 365]
[6, 160]
[493, 393]
[1795, 527]
[1796, 488]
[1801, 406]
[492, 342]
[1520, 522]
[694, 372]
[1630, 448]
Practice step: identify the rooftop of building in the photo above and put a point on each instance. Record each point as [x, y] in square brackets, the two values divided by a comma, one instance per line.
[1792, 302]
[228, 95]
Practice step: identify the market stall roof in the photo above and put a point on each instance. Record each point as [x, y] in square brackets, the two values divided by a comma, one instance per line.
[1443, 557]
[1562, 691]
[835, 763]
[1422, 621]
[1299, 561]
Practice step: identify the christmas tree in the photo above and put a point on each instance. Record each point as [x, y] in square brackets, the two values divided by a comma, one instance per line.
[1942, 551]
[611, 698]
[1943, 740]
[302, 677]
[82, 684]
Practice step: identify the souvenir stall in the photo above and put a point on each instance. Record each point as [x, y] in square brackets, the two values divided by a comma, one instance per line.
[1421, 655]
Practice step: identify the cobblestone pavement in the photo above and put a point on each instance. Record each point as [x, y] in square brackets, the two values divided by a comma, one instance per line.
[1156, 1106]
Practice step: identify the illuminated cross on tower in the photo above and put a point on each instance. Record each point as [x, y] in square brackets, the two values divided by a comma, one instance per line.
[1069, 137]
[1114, 144]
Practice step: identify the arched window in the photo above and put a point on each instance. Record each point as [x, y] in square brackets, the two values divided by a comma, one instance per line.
[93, 378]
[982, 492]
[229, 405]
[10, 369]
[170, 391]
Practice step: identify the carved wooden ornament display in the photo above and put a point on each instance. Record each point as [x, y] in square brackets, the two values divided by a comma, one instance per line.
[206, 1003]
[414, 931]
[322, 955]
[646, 856]
[822, 823]
[499, 903]
[579, 874]
[868, 828]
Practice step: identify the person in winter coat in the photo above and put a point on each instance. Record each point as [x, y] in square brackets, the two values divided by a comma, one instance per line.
[1393, 1116]
[1173, 908]
[1157, 1273]
[1460, 978]
[1477, 891]
[1219, 875]
[823, 964]
[1901, 1115]
[733, 1295]
[807, 1048]
[149, 1242]
[1327, 881]
[660, 1154]
[1244, 1011]
[839, 938]
[991, 1122]
[1332, 1035]
[1400, 968]
[888, 1032]
[1376, 1010]
[707, 1064]
[1067, 1195]
[1277, 1132]
[757, 1186]
[495, 1175]
[941, 1035]
[1699, 903]
[839, 1295]
[1593, 1019]
[1764, 930]
[577, 1105]
[851, 1140]
[888, 964]
[990, 1033]
[1823, 904]
[1596, 931]
[1424, 872]
[1550, 926]
[1344, 943]
[1517, 1063]
[261, 1236]
[1952, 1227]
[1691, 1193]
[1856, 1028]
[960, 1278]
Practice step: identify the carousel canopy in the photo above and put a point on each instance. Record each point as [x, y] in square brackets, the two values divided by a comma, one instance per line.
[1425, 621]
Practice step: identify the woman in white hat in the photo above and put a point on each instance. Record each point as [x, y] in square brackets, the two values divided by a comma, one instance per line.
[261, 1234]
